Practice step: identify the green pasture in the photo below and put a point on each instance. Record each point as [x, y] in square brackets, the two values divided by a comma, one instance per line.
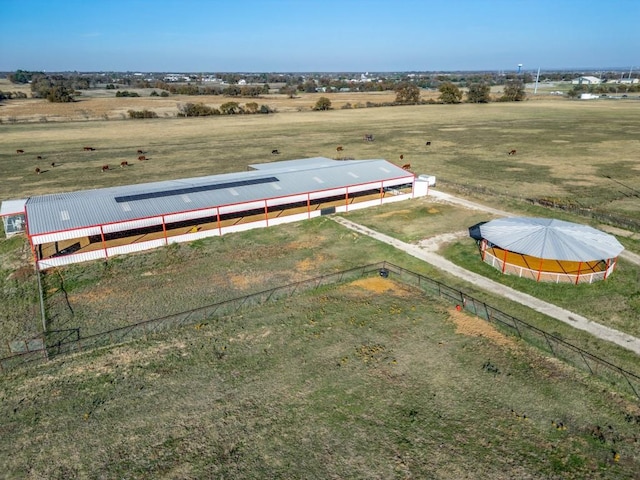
[344, 382]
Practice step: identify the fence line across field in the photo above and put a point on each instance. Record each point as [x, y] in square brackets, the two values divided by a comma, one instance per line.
[69, 341]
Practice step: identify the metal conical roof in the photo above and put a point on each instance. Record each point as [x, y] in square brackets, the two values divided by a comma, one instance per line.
[551, 239]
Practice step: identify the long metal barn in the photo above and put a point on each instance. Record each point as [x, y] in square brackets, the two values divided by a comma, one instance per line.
[73, 227]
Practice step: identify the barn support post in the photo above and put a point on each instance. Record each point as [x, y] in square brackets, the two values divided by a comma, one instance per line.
[381, 192]
[346, 199]
[164, 231]
[266, 213]
[483, 249]
[104, 243]
[308, 205]
[218, 219]
[504, 261]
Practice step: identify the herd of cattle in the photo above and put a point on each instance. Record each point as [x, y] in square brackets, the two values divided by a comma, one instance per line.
[142, 155]
[104, 168]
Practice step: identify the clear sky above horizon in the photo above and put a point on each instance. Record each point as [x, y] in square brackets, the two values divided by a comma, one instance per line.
[317, 36]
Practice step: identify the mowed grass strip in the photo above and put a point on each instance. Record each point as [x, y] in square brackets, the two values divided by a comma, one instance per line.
[371, 379]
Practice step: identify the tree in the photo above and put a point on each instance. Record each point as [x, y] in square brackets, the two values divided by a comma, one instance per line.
[513, 91]
[323, 103]
[251, 107]
[60, 94]
[407, 93]
[449, 93]
[230, 108]
[479, 93]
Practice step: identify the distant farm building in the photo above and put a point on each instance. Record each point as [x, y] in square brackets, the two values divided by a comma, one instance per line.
[547, 250]
[586, 80]
[79, 226]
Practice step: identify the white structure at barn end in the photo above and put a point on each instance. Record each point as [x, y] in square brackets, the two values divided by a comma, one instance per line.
[12, 213]
[65, 228]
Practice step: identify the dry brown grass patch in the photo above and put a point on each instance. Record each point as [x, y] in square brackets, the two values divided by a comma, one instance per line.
[476, 327]
[380, 285]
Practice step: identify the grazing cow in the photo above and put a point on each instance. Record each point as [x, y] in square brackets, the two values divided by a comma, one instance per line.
[124, 164]
[39, 157]
[339, 149]
[140, 152]
[428, 144]
[401, 157]
[512, 152]
[142, 157]
[19, 151]
[89, 149]
[368, 137]
[37, 170]
[53, 164]
[105, 168]
[406, 166]
[275, 152]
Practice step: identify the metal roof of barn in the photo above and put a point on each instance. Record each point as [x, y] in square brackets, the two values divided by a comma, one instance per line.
[80, 209]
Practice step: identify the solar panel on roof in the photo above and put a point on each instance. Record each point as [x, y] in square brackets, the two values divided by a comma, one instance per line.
[200, 188]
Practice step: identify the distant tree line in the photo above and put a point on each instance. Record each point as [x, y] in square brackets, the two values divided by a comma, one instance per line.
[227, 108]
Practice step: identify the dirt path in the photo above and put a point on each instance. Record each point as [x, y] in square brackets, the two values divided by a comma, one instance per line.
[426, 249]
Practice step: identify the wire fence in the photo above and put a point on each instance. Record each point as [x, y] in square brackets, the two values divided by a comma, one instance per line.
[559, 348]
[67, 341]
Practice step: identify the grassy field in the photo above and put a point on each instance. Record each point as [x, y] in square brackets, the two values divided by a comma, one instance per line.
[288, 389]
[371, 379]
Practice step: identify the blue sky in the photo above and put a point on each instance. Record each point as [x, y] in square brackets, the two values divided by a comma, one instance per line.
[317, 36]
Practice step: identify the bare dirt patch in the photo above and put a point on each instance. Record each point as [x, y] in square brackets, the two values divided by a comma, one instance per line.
[380, 285]
[476, 327]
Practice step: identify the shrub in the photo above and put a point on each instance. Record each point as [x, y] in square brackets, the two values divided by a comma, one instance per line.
[142, 114]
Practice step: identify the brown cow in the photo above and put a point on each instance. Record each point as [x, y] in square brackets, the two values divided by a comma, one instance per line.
[124, 164]
[428, 144]
[406, 166]
[39, 157]
[89, 149]
[339, 149]
[368, 137]
[512, 152]
[140, 152]
[105, 168]
[19, 151]
[53, 164]
[142, 157]
[401, 157]
[275, 152]
[37, 170]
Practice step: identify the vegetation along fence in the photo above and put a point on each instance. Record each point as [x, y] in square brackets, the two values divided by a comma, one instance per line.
[70, 341]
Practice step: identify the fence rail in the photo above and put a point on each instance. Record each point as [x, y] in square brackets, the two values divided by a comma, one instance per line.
[70, 341]
[559, 348]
